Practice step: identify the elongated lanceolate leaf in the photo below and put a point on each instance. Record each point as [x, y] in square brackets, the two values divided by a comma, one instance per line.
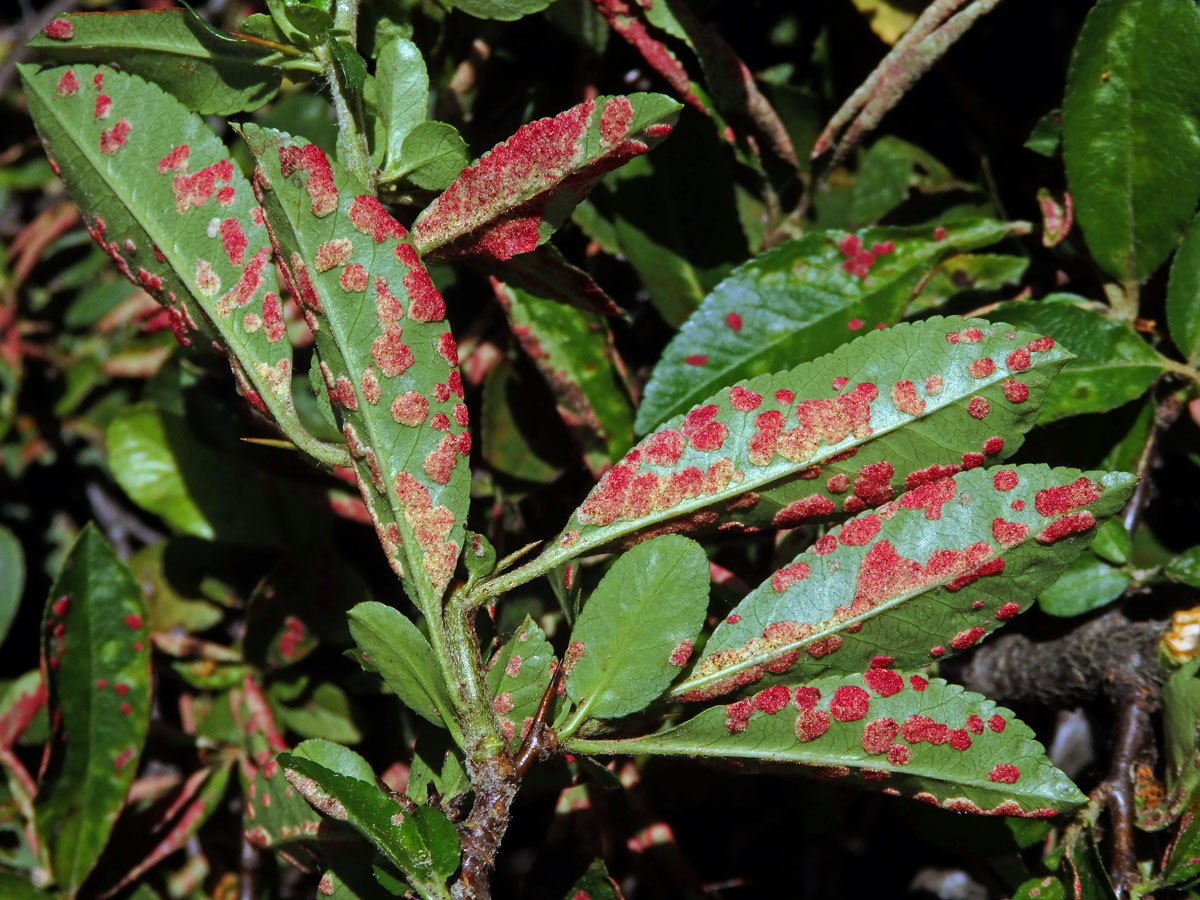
[637, 630]
[400, 837]
[1131, 116]
[172, 48]
[515, 196]
[1183, 296]
[799, 301]
[387, 355]
[517, 677]
[12, 579]
[275, 815]
[161, 195]
[901, 734]
[96, 653]
[390, 644]
[928, 575]
[830, 438]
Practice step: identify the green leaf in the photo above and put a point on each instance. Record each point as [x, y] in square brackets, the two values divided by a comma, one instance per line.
[336, 758]
[1181, 729]
[925, 739]
[479, 557]
[19, 887]
[1112, 542]
[517, 677]
[96, 653]
[1046, 134]
[351, 68]
[595, 884]
[830, 437]
[1086, 584]
[1131, 120]
[402, 93]
[420, 846]
[929, 575]
[177, 51]
[12, 579]
[796, 302]
[1183, 863]
[1112, 365]
[156, 459]
[976, 273]
[325, 712]
[506, 438]
[431, 156]
[393, 375]
[636, 631]
[152, 180]
[504, 10]
[518, 193]
[1183, 296]
[274, 815]
[1185, 568]
[574, 352]
[391, 645]
[887, 170]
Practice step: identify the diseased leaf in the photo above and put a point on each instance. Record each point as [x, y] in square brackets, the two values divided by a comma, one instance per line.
[392, 373]
[274, 815]
[924, 739]
[1181, 729]
[1086, 584]
[96, 653]
[161, 195]
[1112, 364]
[1183, 296]
[637, 629]
[974, 273]
[595, 884]
[828, 438]
[1131, 116]
[796, 302]
[390, 644]
[574, 352]
[175, 50]
[517, 677]
[404, 840]
[928, 575]
[518, 193]
[12, 579]
[1182, 866]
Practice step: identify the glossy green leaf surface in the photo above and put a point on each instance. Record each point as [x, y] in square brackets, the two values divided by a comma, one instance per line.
[390, 644]
[432, 156]
[1131, 131]
[828, 438]
[517, 677]
[504, 10]
[1112, 364]
[595, 884]
[391, 373]
[161, 195]
[974, 273]
[928, 575]
[12, 579]
[924, 739]
[1086, 584]
[574, 352]
[518, 193]
[96, 653]
[1183, 296]
[796, 302]
[1185, 568]
[637, 629]
[422, 846]
[175, 50]
[402, 85]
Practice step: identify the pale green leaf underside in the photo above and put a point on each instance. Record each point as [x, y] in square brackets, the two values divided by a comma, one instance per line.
[924, 577]
[968, 766]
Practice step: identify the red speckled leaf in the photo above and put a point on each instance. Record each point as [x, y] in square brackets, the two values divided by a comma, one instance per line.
[827, 439]
[160, 194]
[800, 300]
[924, 739]
[96, 654]
[274, 815]
[515, 196]
[926, 576]
[389, 361]
[517, 678]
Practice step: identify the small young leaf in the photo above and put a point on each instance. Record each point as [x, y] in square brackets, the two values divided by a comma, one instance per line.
[390, 644]
[515, 196]
[1046, 134]
[829, 438]
[431, 156]
[324, 712]
[96, 653]
[595, 884]
[161, 195]
[388, 358]
[924, 739]
[402, 92]
[504, 10]
[12, 579]
[479, 556]
[1112, 365]
[175, 50]
[796, 302]
[928, 575]
[517, 678]
[636, 631]
[1086, 584]
[1112, 542]
[1130, 118]
[1185, 568]
[1183, 296]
